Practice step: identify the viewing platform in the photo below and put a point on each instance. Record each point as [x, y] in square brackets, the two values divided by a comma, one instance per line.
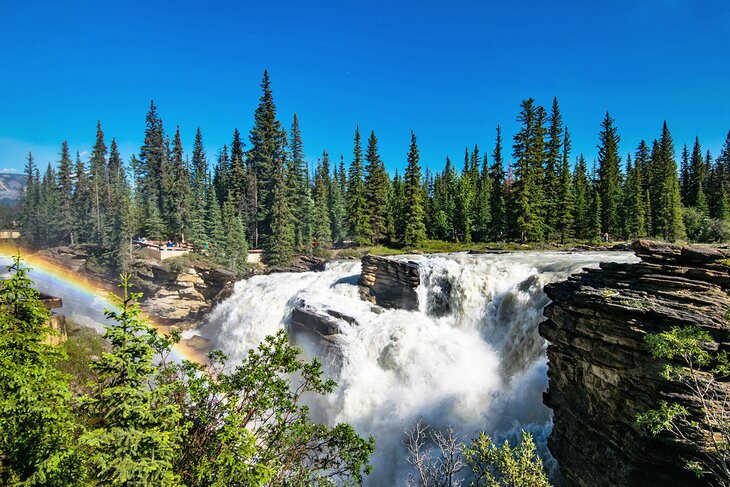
[161, 250]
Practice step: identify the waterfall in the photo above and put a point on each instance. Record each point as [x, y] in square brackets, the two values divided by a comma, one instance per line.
[470, 357]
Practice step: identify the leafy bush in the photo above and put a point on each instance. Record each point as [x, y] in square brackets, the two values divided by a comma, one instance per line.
[702, 229]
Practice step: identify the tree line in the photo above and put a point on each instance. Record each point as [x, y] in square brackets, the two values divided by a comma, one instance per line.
[264, 196]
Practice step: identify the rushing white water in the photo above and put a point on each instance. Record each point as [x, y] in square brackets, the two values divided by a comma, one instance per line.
[481, 366]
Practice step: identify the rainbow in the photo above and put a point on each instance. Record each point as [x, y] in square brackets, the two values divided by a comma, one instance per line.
[98, 293]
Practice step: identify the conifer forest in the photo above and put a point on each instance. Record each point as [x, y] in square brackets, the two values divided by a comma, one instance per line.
[261, 193]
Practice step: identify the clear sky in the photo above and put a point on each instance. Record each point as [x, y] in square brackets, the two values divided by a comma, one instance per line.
[449, 70]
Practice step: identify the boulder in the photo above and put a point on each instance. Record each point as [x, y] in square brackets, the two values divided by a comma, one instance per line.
[390, 283]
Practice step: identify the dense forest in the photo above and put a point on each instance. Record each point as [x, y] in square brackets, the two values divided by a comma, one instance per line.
[264, 196]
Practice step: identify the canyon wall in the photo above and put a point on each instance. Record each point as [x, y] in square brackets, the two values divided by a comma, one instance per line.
[601, 375]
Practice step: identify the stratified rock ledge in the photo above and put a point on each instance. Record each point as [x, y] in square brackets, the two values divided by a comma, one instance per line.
[601, 374]
[390, 283]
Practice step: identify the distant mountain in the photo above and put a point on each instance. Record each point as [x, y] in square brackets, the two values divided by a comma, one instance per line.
[11, 186]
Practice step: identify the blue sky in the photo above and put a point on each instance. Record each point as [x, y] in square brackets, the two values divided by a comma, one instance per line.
[450, 71]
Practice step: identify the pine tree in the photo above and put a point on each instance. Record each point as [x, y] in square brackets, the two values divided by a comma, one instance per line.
[119, 232]
[97, 185]
[375, 190]
[279, 244]
[596, 210]
[134, 433]
[214, 224]
[497, 201]
[609, 182]
[198, 190]
[696, 176]
[565, 202]
[338, 212]
[551, 184]
[669, 224]
[177, 196]
[82, 202]
[528, 150]
[356, 203]
[635, 206]
[321, 218]
[66, 223]
[685, 180]
[415, 231]
[233, 247]
[220, 176]
[396, 210]
[36, 424]
[149, 168]
[267, 140]
[582, 199]
[303, 205]
[237, 173]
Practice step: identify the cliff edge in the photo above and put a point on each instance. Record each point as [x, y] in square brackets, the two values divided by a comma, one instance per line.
[601, 374]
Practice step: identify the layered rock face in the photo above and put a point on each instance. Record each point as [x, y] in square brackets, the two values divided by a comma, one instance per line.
[390, 283]
[601, 374]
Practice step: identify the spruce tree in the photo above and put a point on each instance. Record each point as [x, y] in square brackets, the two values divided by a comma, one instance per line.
[497, 196]
[375, 190]
[97, 185]
[338, 211]
[415, 231]
[551, 182]
[220, 176]
[670, 224]
[278, 245]
[564, 219]
[233, 247]
[582, 199]
[82, 202]
[237, 174]
[685, 180]
[595, 218]
[214, 225]
[396, 210]
[696, 176]
[36, 424]
[198, 190]
[149, 168]
[322, 231]
[528, 150]
[609, 177]
[302, 206]
[177, 196]
[267, 140]
[357, 204]
[66, 224]
[134, 427]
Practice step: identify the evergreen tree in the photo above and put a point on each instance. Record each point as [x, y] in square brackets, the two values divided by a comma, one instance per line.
[563, 221]
[415, 231]
[321, 218]
[582, 199]
[233, 247]
[303, 206]
[279, 244]
[266, 149]
[237, 174]
[551, 183]
[497, 201]
[220, 176]
[528, 150]
[634, 204]
[149, 168]
[97, 186]
[596, 210]
[176, 192]
[36, 424]
[696, 177]
[375, 190]
[685, 180]
[357, 209]
[119, 232]
[609, 174]
[669, 224]
[214, 224]
[198, 190]
[82, 202]
[338, 211]
[134, 434]
[66, 224]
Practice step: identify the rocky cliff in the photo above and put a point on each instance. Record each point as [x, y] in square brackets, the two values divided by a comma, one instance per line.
[390, 283]
[601, 374]
[173, 297]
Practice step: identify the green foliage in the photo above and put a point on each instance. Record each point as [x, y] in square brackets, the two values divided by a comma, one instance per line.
[36, 425]
[415, 229]
[502, 466]
[247, 427]
[132, 437]
[692, 364]
[357, 205]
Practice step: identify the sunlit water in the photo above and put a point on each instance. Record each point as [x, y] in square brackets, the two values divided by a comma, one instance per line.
[482, 366]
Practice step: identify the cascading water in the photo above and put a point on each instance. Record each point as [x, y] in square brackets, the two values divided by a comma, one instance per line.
[469, 358]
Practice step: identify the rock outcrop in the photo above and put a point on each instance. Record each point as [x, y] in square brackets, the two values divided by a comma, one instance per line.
[390, 283]
[601, 375]
[173, 297]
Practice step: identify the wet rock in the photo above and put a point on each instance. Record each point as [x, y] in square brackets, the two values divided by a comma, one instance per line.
[389, 283]
[601, 375]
